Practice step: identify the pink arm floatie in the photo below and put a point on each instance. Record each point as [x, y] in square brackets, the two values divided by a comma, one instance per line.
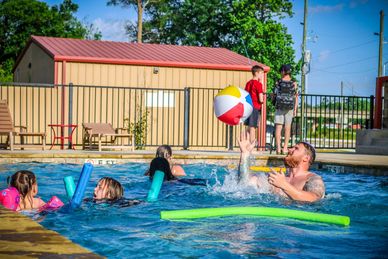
[10, 198]
[53, 204]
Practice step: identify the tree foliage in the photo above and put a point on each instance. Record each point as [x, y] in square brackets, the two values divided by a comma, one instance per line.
[23, 18]
[347, 103]
[249, 27]
[140, 6]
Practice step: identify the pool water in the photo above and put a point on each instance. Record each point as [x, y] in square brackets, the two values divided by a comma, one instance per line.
[138, 231]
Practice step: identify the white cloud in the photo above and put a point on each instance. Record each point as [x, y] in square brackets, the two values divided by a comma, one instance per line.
[113, 30]
[326, 8]
[355, 3]
[323, 55]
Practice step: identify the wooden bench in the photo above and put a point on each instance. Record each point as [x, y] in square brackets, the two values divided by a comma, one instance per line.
[105, 136]
[7, 128]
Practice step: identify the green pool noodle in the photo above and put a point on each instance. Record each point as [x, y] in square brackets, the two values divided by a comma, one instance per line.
[255, 211]
[157, 182]
[69, 186]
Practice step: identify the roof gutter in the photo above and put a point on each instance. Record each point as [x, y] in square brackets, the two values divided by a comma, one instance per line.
[155, 63]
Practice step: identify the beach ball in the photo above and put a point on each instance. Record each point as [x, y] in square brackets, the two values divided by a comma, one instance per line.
[233, 105]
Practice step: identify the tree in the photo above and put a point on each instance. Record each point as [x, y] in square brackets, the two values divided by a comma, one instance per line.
[255, 23]
[249, 27]
[140, 5]
[23, 18]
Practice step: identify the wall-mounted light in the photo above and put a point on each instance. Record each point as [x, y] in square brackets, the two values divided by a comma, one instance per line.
[156, 70]
[29, 65]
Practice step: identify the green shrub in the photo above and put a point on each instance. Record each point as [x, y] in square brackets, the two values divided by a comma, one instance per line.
[139, 128]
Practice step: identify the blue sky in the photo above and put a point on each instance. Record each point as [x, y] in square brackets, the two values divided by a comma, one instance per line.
[342, 41]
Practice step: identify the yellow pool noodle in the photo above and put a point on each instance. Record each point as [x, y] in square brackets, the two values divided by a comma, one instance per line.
[267, 169]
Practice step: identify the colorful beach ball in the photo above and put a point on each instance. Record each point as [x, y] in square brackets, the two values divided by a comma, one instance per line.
[233, 105]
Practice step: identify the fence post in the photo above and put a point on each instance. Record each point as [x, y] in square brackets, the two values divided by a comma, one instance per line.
[303, 120]
[70, 113]
[186, 122]
[230, 139]
[63, 98]
[371, 111]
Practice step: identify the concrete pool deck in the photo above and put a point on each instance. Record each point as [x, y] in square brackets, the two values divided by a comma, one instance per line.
[338, 161]
[21, 237]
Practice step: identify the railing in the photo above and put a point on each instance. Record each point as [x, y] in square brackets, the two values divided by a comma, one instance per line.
[178, 117]
[331, 121]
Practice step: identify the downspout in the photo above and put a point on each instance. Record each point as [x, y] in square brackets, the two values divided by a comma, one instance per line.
[63, 102]
[55, 73]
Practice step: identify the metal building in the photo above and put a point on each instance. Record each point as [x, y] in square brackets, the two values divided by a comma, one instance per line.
[89, 63]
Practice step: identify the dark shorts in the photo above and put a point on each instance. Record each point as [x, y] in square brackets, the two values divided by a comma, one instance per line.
[254, 119]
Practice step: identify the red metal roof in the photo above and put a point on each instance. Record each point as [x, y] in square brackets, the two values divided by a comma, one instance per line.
[93, 51]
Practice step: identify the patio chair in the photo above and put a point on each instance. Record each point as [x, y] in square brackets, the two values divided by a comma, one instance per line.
[105, 136]
[8, 129]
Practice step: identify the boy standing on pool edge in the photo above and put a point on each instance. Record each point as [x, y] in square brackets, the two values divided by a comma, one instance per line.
[255, 89]
[286, 104]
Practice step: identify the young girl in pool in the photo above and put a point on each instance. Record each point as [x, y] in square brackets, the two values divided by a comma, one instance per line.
[111, 191]
[162, 164]
[108, 189]
[165, 151]
[26, 184]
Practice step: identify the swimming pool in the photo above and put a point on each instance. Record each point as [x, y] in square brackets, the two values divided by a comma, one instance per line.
[138, 231]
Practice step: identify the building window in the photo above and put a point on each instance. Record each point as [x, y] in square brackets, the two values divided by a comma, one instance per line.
[160, 99]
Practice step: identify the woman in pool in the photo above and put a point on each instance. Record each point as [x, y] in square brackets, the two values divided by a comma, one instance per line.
[26, 184]
[165, 151]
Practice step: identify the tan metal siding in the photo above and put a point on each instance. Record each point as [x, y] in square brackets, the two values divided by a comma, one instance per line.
[103, 110]
[143, 77]
[32, 107]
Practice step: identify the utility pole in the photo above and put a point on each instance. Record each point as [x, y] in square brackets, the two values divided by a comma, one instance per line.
[304, 68]
[381, 34]
[342, 108]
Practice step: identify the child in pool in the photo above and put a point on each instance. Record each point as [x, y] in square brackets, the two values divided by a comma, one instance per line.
[161, 164]
[165, 151]
[111, 191]
[26, 184]
[108, 189]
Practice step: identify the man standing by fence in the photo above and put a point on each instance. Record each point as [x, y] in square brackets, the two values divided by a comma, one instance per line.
[255, 89]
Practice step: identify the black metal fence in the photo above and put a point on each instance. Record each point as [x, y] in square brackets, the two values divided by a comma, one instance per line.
[178, 117]
[331, 121]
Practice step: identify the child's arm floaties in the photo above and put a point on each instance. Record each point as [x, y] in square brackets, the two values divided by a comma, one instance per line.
[53, 204]
[10, 198]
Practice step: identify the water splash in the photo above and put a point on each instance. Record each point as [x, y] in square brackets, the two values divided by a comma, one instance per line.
[333, 196]
[233, 187]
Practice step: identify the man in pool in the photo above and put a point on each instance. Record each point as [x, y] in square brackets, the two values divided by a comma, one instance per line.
[299, 184]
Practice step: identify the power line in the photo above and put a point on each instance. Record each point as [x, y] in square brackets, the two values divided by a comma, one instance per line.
[352, 62]
[352, 47]
[351, 88]
[332, 72]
